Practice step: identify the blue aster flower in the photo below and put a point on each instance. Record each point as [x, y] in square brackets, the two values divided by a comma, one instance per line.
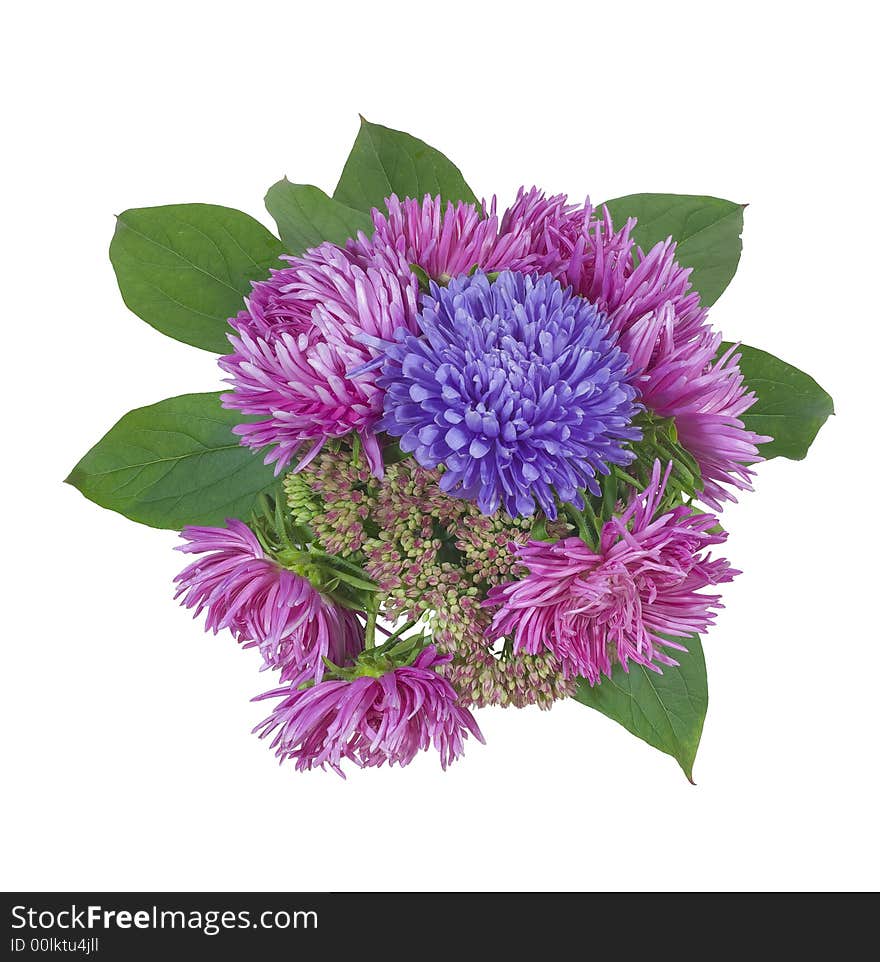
[515, 388]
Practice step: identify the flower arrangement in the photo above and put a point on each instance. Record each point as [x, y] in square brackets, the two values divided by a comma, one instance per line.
[463, 458]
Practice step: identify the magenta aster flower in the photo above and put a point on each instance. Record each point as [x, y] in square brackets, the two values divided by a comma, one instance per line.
[550, 232]
[265, 605]
[297, 343]
[443, 242]
[625, 601]
[661, 325]
[370, 720]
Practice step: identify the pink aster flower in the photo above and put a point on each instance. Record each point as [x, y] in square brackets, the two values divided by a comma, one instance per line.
[305, 330]
[661, 325]
[265, 605]
[443, 242]
[551, 229]
[369, 720]
[625, 601]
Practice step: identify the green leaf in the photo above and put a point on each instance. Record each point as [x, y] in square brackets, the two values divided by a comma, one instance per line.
[384, 162]
[791, 406]
[706, 229]
[667, 711]
[186, 268]
[306, 217]
[174, 463]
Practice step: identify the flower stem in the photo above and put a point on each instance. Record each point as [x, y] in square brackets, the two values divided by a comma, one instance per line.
[580, 521]
[399, 631]
[370, 630]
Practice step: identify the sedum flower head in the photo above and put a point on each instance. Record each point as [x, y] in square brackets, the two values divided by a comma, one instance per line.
[434, 557]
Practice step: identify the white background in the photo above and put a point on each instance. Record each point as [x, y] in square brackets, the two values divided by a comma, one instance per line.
[128, 762]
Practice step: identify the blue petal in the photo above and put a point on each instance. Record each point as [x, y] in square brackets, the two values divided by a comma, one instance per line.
[456, 438]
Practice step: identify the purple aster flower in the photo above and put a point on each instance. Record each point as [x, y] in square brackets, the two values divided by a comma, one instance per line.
[370, 720]
[624, 601]
[298, 342]
[660, 322]
[265, 605]
[515, 388]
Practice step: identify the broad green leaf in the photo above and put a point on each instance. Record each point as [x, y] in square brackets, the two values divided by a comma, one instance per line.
[186, 268]
[667, 711]
[384, 162]
[306, 217]
[791, 406]
[707, 231]
[174, 463]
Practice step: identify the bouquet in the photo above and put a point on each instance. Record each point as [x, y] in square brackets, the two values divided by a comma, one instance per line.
[463, 458]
